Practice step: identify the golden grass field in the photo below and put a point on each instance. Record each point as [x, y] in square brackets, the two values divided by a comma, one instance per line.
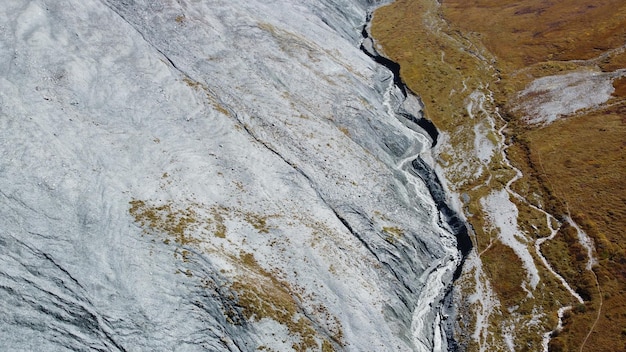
[572, 167]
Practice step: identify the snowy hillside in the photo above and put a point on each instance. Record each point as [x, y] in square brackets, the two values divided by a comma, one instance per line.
[184, 175]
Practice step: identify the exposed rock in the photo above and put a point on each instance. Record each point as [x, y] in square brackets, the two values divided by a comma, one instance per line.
[225, 175]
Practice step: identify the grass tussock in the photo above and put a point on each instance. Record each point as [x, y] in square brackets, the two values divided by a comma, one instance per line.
[262, 295]
[507, 280]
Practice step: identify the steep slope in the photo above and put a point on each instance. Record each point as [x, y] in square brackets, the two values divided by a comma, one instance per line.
[225, 175]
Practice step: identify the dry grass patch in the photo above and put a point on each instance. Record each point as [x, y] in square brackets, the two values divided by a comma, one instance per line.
[263, 296]
[576, 165]
[524, 33]
[620, 87]
[166, 218]
[260, 294]
[507, 280]
[584, 162]
[213, 99]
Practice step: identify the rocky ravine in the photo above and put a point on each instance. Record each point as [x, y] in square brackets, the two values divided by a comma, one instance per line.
[225, 175]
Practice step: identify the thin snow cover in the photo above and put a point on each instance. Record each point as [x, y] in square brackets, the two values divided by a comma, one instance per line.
[483, 146]
[179, 175]
[548, 98]
[508, 334]
[586, 242]
[483, 299]
[502, 214]
[469, 168]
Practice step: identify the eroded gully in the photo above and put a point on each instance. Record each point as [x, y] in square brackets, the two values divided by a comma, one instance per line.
[437, 291]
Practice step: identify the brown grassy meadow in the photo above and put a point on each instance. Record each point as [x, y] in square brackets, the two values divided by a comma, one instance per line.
[574, 166]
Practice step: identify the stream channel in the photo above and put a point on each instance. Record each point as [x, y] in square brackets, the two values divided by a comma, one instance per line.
[448, 217]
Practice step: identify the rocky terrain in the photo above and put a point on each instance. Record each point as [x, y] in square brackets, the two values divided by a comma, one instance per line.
[184, 175]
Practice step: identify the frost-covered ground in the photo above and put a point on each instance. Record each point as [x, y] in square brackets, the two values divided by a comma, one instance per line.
[224, 175]
[548, 98]
[502, 214]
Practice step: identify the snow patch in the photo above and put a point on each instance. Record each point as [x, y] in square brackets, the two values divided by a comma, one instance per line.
[586, 242]
[548, 98]
[482, 145]
[483, 299]
[503, 214]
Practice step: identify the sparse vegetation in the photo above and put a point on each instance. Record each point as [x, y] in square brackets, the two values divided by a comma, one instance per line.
[187, 223]
[165, 219]
[258, 292]
[209, 95]
[393, 233]
[262, 295]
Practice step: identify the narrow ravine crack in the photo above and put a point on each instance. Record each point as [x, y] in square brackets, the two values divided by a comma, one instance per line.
[369, 48]
[419, 166]
[448, 217]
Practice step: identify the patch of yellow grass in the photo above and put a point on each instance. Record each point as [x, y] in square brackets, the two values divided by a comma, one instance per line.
[450, 49]
[259, 292]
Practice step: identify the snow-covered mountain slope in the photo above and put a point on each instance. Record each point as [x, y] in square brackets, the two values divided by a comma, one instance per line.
[210, 175]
